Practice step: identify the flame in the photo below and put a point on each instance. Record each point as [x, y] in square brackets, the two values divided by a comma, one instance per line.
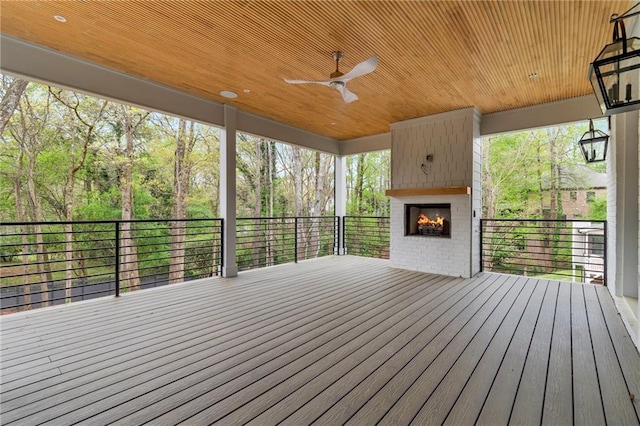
[423, 220]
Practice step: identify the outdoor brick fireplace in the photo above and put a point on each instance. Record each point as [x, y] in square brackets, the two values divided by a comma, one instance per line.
[427, 220]
[435, 172]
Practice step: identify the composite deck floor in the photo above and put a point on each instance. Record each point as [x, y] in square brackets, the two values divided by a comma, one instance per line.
[339, 340]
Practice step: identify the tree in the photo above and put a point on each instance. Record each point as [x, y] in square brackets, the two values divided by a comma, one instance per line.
[126, 121]
[80, 135]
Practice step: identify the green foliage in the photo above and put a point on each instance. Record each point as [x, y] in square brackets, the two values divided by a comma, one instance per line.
[598, 208]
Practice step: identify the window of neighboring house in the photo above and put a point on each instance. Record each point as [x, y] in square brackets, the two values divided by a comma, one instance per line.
[573, 195]
[596, 245]
[591, 196]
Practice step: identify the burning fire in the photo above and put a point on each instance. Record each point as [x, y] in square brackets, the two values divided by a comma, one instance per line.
[423, 220]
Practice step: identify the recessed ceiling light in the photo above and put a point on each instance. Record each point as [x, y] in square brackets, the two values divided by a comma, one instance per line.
[333, 123]
[228, 94]
[533, 75]
[246, 90]
[60, 18]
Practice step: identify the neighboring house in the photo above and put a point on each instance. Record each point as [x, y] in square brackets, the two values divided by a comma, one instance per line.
[580, 186]
[587, 254]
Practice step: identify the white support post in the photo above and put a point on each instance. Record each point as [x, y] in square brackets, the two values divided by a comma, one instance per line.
[340, 201]
[228, 190]
[626, 204]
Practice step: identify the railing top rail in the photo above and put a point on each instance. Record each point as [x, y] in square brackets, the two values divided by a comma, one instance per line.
[365, 217]
[73, 222]
[544, 220]
[286, 217]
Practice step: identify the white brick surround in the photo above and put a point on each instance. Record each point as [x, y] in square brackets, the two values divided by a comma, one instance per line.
[453, 140]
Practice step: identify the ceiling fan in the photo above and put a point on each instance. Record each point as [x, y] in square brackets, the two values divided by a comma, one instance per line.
[339, 80]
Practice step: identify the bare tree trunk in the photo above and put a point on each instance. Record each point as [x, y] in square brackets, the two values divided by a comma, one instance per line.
[10, 101]
[297, 183]
[130, 276]
[257, 208]
[317, 203]
[181, 177]
[24, 230]
[41, 251]
[360, 182]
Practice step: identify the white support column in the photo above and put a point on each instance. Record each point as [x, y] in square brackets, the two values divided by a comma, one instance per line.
[625, 129]
[228, 190]
[340, 200]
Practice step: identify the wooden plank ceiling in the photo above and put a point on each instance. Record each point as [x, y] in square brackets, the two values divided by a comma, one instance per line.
[434, 56]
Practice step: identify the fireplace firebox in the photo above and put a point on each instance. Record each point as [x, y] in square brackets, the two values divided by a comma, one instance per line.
[428, 220]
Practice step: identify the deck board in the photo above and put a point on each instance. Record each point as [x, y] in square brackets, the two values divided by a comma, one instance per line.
[330, 341]
[558, 398]
[583, 358]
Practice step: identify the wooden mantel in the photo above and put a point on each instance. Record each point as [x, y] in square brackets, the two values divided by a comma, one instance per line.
[408, 192]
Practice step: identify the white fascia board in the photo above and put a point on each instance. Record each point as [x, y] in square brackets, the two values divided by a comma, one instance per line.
[265, 127]
[379, 142]
[48, 66]
[542, 115]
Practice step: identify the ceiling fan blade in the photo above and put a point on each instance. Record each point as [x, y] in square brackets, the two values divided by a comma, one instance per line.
[347, 94]
[323, 82]
[361, 69]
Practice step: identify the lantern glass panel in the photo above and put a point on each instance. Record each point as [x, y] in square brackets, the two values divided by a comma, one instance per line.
[594, 149]
[615, 77]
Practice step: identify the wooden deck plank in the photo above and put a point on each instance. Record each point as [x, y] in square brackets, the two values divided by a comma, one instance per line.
[500, 398]
[211, 314]
[169, 298]
[275, 410]
[57, 398]
[488, 345]
[529, 400]
[322, 393]
[587, 404]
[558, 397]
[245, 406]
[517, 327]
[627, 353]
[342, 400]
[295, 345]
[170, 368]
[400, 399]
[205, 393]
[171, 319]
[50, 320]
[618, 406]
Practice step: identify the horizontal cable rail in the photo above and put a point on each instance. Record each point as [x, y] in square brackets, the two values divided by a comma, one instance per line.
[571, 250]
[271, 241]
[51, 263]
[366, 236]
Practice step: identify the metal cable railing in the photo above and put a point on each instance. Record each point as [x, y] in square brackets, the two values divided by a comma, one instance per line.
[573, 250]
[50, 263]
[366, 236]
[271, 241]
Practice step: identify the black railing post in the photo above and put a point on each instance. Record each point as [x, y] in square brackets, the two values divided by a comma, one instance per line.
[295, 239]
[604, 260]
[344, 235]
[117, 236]
[221, 260]
[481, 245]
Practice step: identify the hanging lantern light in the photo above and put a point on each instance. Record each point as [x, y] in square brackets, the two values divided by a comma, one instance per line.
[615, 73]
[594, 144]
